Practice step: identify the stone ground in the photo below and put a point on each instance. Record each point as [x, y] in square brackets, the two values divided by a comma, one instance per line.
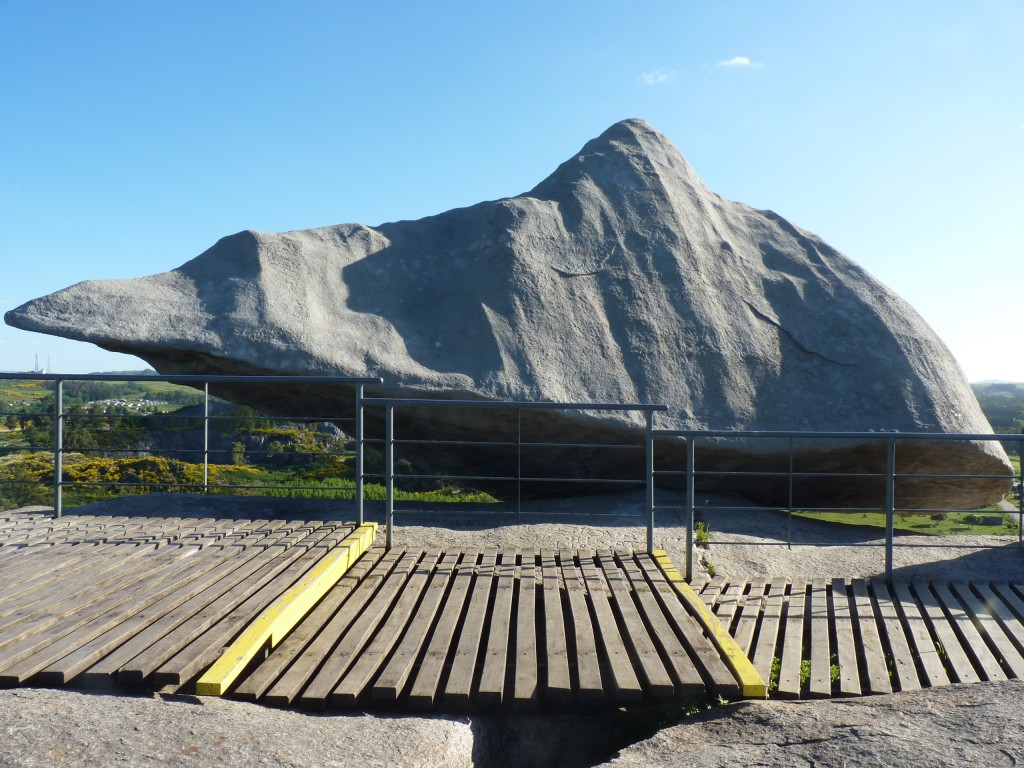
[977, 724]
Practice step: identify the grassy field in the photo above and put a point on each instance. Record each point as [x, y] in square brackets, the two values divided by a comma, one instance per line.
[938, 524]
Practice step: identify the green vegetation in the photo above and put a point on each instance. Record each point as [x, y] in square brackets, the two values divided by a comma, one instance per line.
[936, 524]
[1003, 405]
[140, 437]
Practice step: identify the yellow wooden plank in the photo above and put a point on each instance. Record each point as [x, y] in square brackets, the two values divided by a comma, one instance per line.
[751, 683]
[279, 618]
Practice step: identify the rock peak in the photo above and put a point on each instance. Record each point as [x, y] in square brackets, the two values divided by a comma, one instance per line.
[619, 278]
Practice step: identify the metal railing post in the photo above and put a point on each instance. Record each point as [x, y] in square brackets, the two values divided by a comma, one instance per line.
[890, 503]
[650, 482]
[359, 452]
[519, 463]
[691, 454]
[58, 447]
[1020, 494]
[206, 437]
[389, 472]
[789, 533]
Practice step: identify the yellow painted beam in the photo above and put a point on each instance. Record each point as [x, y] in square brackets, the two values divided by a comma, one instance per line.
[279, 618]
[742, 669]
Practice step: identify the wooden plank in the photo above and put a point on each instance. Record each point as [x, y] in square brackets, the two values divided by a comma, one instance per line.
[713, 590]
[371, 658]
[820, 684]
[281, 617]
[622, 677]
[358, 634]
[729, 603]
[64, 617]
[956, 660]
[876, 671]
[459, 685]
[228, 605]
[768, 634]
[902, 664]
[293, 680]
[711, 645]
[98, 640]
[1007, 607]
[556, 655]
[427, 682]
[997, 622]
[685, 676]
[526, 686]
[245, 561]
[396, 674]
[793, 642]
[657, 680]
[495, 665]
[924, 646]
[973, 644]
[281, 658]
[750, 614]
[846, 648]
[589, 686]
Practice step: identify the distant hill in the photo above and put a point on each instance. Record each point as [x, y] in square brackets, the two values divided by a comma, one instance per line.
[1003, 404]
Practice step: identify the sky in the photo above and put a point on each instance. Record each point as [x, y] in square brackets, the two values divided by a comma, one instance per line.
[133, 135]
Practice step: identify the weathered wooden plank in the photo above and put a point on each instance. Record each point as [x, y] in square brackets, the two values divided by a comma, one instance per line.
[1003, 655]
[876, 671]
[205, 649]
[923, 646]
[97, 640]
[392, 680]
[288, 686]
[495, 662]
[428, 678]
[751, 605]
[728, 604]
[297, 643]
[792, 642]
[1007, 607]
[459, 686]
[685, 675]
[768, 634]
[246, 561]
[370, 660]
[650, 666]
[589, 686]
[957, 663]
[820, 684]
[622, 677]
[712, 590]
[973, 644]
[557, 684]
[358, 634]
[184, 627]
[846, 648]
[527, 683]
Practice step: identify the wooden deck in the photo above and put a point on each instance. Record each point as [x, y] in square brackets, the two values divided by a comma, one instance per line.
[843, 637]
[118, 601]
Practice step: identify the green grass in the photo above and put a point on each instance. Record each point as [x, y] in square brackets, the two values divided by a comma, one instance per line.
[950, 523]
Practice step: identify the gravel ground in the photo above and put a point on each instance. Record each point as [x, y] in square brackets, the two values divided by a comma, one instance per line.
[959, 725]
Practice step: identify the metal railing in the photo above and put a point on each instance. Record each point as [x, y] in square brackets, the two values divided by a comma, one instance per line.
[60, 416]
[689, 459]
[886, 474]
[516, 475]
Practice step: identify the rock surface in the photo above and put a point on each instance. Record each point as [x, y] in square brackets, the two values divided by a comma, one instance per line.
[978, 724]
[619, 278]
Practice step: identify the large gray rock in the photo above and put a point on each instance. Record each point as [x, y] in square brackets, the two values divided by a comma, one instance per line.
[619, 278]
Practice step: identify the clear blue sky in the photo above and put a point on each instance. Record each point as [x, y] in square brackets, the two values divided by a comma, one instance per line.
[133, 134]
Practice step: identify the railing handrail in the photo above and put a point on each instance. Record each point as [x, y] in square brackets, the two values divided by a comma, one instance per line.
[198, 378]
[523, 404]
[814, 435]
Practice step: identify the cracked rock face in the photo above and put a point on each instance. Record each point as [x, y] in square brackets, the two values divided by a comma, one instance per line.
[619, 278]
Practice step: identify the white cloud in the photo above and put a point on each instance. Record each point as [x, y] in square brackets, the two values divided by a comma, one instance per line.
[658, 76]
[740, 61]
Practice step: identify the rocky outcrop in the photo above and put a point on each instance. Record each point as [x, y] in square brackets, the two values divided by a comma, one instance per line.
[619, 278]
